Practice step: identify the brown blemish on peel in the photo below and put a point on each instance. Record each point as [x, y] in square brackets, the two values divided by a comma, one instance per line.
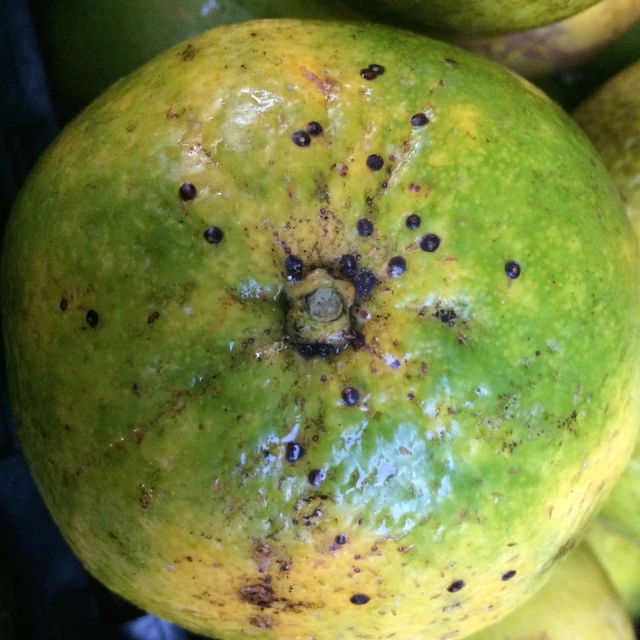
[259, 595]
[189, 53]
[146, 495]
[325, 87]
[263, 622]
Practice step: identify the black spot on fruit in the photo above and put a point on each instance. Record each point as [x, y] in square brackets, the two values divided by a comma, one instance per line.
[325, 350]
[397, 266]
[294, 452]
[187, 191]
[64, 304]
[375, 162]
[350, 396]
[378, 68]
[341, 539]
[358, 341]
[348, 266]
[301, 138]
[213, 235]
[258, 594]
[314, 129]
[359, 598]
[307, 350]
[455, 586]
[294, 267]
[419, 120]
[446, 315]
[316, 477]
[368, 74]
[92, 318]
[364, 227]
[512, 269]
[364, 284]
[413, 221]
[430, 242]
[508, 575]
[153, 316]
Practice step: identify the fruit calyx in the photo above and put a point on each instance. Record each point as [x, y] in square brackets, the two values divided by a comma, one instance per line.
[319, 310]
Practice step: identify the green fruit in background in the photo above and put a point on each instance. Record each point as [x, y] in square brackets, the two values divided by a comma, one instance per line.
[322, 328]
[611, 118]
[470, 17]
[90, 44]
[578, 602]
[573, 86]
[620, 558]
[563, 44]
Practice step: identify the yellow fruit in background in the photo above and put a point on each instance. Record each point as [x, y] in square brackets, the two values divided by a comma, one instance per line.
[611, 118]
[620, 558]
[578, 603]
[560, 45]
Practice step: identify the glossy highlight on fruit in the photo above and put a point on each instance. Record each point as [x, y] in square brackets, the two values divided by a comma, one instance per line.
[578, 602]
[456, 422]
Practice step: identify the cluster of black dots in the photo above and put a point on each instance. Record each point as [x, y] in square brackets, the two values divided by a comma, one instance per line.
[187, 192]
[375, 162]
[372, 71]
[302, 138]
[295, 451]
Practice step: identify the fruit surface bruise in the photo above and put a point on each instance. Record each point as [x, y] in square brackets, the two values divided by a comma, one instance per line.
[319, 330]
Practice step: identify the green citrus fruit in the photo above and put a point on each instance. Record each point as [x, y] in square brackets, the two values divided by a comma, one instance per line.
[323, 329]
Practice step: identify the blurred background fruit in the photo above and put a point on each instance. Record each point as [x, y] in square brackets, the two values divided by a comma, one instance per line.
[620, 558]
[89, 45]
[611, 118]
[469, 17]
[561, 45]
[571, 87]
[579, 602]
